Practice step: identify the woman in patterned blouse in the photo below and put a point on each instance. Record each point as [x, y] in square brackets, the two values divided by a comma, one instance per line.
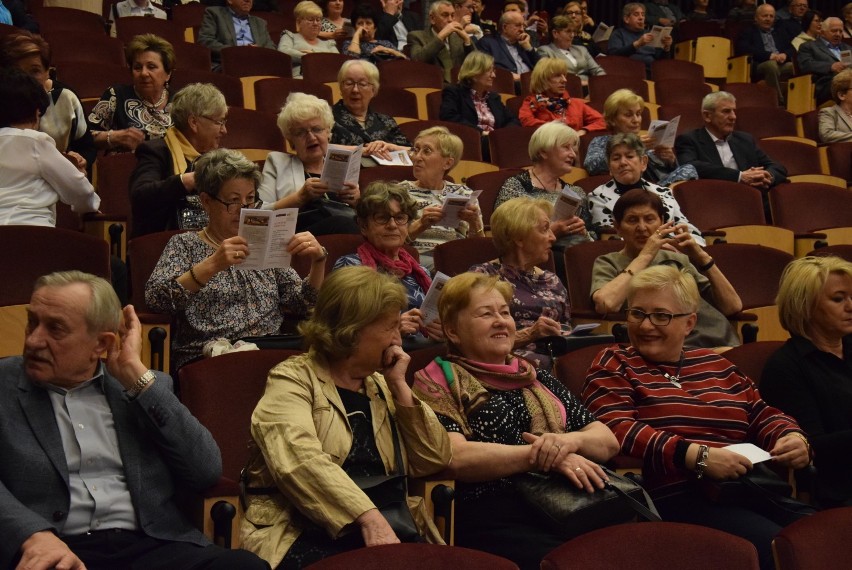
[492, 403]
[198, 280]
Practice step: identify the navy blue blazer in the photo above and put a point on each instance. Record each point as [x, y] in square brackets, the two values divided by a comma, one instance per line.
[698, 149]
[457, 106]
[750, 42]
[496, 47]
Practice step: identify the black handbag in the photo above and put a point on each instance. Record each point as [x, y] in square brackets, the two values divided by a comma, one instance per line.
[322, 209]
[572, 511]
[390, 495]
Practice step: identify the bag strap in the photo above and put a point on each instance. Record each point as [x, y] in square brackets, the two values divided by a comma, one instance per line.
[648, 512]
[397, 451]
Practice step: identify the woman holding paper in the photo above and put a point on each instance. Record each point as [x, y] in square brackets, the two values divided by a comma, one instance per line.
[198, 281]
[521, 229]
[676, 409]
[384, 213]
[435, 152]
[623, 114]
[294, 181]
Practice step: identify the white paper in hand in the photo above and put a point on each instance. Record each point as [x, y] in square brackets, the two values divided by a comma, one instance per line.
[429, 307]
[749, 451]
[566, 205]
[268, 232]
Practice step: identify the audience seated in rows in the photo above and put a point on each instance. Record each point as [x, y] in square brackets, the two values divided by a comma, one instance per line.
[580, 62]
[514, 400]
[549, 100]
[792, 16]
[835, 122]
[465, 12]
[578, 13]
[623, 114]
[293, 180]
[676, 408]
[127, 115]
[445, 43]
[197, 279]
[651, 237]
[163, 194]
[821, 57]
[365, 44]
[306, 38]
[663, 13]
[384, 213]
[232, 25]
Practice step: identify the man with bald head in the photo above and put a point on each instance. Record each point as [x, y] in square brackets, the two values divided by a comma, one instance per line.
[822, 56]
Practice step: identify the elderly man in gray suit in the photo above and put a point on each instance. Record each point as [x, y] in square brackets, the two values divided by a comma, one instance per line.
[94, 455]
[228, 26]
[445, 43]
[821, 57]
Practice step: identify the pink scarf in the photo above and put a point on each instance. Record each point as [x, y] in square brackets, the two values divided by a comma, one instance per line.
[402, 267]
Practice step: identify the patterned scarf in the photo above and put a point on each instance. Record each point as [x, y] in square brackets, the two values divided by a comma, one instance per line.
[556, 105]
[405, 265]
[457, 387]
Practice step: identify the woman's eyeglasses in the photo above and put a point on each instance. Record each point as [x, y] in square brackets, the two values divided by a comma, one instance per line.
[657, 318]
[303, 133]
[235, 207]
[383, 218]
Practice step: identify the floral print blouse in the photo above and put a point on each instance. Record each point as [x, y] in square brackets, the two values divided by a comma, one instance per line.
[233, 304]
[348, 131]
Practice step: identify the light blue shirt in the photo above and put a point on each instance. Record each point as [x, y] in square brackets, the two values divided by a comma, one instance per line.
[242, 29]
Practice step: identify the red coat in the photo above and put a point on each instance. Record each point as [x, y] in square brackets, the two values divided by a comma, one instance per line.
[578, 115]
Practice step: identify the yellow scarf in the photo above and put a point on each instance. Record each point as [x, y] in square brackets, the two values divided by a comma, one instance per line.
[181, 150]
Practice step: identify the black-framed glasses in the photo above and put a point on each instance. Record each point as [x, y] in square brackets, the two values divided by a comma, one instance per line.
[657, 318]
[235, 207]
[382, 218]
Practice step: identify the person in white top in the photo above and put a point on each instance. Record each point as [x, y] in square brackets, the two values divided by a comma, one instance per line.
[137, 8]
[34, 175]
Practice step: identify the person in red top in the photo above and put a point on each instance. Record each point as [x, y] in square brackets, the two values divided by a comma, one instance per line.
[549, 100]
[678, 409]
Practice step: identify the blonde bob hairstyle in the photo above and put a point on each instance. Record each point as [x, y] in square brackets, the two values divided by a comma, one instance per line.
[370, 70]
[104, 311]
[475, 63]
[514, 219]
[620, 100]
[458, 293]
[801, 285]
[450, 145]
[350, 299]
[546, 68]
[307, 9]
[660, 277]
[551, 135]
[301, 107]
[199, 99]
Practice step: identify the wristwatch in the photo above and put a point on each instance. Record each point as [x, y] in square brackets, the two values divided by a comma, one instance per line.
[140, 384]
[701, 460]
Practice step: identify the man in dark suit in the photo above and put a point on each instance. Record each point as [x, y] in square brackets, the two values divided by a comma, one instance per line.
[94, 455]
[719, 152]
[445, 43]
[512, 49]
[821, 57]
[770, 47]
[395, 24]
[232, 26]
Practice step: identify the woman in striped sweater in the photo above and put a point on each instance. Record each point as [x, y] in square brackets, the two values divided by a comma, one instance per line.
[678, 409]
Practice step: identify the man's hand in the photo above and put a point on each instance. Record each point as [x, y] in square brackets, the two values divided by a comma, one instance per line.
[123, 359]
[44, 550]
[524, 41]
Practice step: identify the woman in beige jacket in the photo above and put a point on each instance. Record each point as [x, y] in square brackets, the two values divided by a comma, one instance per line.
[326, 417]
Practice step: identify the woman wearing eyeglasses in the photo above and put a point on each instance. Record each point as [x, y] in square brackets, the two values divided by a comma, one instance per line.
[306, 39]
[162, 186]
[677, 409]
[651, 239]
[384, 212]
[198, 281]
[293, 181]
[435, 152]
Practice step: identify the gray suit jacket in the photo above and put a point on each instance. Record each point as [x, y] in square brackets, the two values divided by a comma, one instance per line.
[834, 125]
[163, 448]
[815, 57]
[425, 46]
[585, 66]
[217, 31]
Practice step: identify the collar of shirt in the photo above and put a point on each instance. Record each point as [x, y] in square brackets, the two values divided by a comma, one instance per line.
[237, 16]
[714, 138]
[97, 379]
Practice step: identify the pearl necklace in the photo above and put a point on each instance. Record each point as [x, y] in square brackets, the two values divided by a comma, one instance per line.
[159, 102]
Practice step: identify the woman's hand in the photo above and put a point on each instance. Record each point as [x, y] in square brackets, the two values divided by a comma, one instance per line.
[471, 215]
[658, 240]
[350, 193]
[583, 473]
[683, 241]
[232, 251]
[77, 160]
[569, 226]
[410, 322]
[378, 148]
[435, 330]
[430, 216]
[312, 189]
[188, 180]
[549, 449]
[791, 451]
[542, 327]
[723, 464]
[128, 138]
[304, 243]
[375, 529]
[666, 154]
[394, 364]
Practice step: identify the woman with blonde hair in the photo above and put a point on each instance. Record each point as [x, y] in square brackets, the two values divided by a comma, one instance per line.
[306, 38]
[549, 100]
[623, 114]
[810, 376]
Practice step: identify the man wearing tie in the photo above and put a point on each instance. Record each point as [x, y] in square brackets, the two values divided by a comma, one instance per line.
[822, 57]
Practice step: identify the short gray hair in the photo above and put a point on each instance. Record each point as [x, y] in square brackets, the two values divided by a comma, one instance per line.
[303, 107]
[827, 22]
[104, 311]
[551, 135]
[630, 140]
[433, 9]
[214, 168]
[712, 99]
[370, 70]
[199, 99]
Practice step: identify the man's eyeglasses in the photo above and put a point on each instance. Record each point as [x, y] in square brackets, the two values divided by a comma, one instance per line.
[383, 218]
[657, 318]
[303, 133]
[235, 207]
